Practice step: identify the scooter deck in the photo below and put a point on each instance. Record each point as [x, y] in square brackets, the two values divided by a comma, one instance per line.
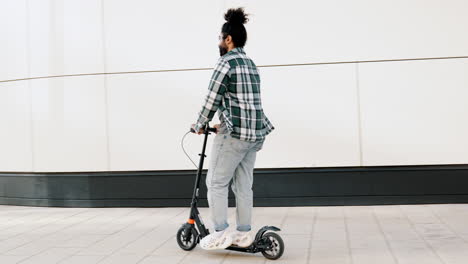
[250, 249]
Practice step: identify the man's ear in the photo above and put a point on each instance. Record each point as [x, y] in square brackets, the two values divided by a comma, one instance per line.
[228, 39]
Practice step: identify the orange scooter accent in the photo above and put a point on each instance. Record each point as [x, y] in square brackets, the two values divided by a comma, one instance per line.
[191, 221]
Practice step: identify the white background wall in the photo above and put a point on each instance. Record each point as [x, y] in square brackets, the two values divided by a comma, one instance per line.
[369, 100]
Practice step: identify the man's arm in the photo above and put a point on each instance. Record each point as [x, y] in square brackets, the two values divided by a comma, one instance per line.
[216, 90]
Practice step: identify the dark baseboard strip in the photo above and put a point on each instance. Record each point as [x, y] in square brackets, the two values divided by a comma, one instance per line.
[259, 202]
[380, 185]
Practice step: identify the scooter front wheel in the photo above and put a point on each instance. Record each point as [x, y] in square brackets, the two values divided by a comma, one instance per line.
[187, 237]
[276, 246]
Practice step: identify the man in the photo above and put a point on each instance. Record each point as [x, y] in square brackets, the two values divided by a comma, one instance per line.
[234, 90]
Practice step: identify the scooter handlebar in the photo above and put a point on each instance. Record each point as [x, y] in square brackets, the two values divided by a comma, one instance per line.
[210, 129]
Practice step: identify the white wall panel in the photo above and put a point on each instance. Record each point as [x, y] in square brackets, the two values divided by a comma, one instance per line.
[69, 124]
[313, 108]
[299, 31]
[414, 112]
[410, 29]
[65, 37]
[148, 116]
[152, 35]
[13, 40]
[15, 129]
[314, 111]
[284, 32]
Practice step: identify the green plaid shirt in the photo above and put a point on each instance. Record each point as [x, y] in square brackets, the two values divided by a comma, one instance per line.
[234, 91]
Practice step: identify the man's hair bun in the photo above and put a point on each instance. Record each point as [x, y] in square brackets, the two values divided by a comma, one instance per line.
[236, 16]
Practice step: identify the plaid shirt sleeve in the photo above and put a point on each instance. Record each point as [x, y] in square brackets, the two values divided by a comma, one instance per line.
[216, 90]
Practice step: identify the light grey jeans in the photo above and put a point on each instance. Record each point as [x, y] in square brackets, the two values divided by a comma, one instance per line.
[234, 159]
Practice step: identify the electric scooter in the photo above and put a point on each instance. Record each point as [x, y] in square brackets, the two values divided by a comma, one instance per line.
[269, 243]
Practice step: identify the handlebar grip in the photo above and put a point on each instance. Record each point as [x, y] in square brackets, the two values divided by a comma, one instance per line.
[210, 129]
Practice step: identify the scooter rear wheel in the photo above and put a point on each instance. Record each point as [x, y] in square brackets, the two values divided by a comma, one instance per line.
[187, 241]
[275, 251]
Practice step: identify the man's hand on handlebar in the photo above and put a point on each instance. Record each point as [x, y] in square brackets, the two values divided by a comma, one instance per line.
[217, 127]
[199, 132]
[203, 131]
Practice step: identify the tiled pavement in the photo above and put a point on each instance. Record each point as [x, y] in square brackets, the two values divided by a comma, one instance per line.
[403, 234]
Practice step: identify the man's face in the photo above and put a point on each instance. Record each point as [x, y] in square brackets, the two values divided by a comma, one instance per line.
[222, 45]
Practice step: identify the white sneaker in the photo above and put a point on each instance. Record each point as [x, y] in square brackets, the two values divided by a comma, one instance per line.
[216, 240]
[242, 239]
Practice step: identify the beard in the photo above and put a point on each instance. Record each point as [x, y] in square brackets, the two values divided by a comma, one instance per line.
[222, 50]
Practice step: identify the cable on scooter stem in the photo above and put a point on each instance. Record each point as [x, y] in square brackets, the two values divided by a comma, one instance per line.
[212, 129]
[182, 144]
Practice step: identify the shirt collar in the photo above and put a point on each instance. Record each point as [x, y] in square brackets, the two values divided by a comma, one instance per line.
[238, 50]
